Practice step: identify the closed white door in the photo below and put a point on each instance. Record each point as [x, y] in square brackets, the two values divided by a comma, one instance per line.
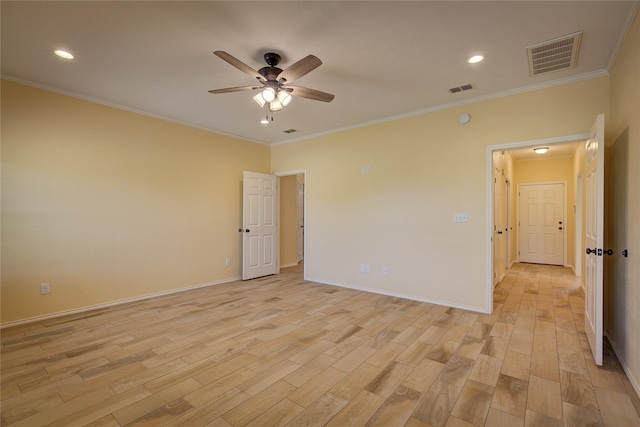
[541, 219]
[259, 225]
[594, 238]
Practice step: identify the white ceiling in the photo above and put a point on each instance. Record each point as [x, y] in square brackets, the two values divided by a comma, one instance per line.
[382, 60]
[555, 151]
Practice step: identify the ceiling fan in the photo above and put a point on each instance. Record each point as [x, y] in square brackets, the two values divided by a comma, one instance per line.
[274, 82]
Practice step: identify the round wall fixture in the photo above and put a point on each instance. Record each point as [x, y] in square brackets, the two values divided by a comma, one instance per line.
[464, 118]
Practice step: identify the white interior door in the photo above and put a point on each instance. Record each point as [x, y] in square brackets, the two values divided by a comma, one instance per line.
[300, 222]
[498, 259]
[506, 223]
[541, 219]
[594, 238]
[259, 213]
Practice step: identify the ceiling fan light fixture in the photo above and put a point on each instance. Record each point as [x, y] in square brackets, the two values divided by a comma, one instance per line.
[268, 94]
[284, 97]
[275, 105]
[265, 120]
[541, 150]
[259, 99]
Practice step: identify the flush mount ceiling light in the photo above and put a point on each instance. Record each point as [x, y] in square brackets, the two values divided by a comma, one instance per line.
[274, 89]
[541, 150]
[475, 59]
[63, 54]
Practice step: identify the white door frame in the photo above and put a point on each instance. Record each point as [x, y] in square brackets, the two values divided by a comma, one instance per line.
[507, 212]
[304, 236]
[489, 197]
[578, 230]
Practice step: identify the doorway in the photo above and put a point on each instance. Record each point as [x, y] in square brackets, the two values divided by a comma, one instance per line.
[493, 153]
[292, 202]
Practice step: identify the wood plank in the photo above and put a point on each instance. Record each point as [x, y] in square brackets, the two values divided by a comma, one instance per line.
[436, 405]
[473, 403]
[320, 411]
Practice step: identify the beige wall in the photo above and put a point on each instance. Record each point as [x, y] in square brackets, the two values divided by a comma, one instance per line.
[423, 170]
[107, 205]
[552, 170]
[623, 284]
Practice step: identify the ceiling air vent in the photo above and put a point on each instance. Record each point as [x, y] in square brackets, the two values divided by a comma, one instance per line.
[554, 55]
[461, 88]
[290, 131]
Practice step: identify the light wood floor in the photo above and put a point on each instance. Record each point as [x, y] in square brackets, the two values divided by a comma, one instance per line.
[282, 351]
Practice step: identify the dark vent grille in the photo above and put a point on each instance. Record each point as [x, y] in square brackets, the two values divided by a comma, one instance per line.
[554, 55]
[290, 131]
[462, 88]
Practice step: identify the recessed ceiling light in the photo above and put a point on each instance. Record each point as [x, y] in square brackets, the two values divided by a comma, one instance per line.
[474, 59]
[63, 54]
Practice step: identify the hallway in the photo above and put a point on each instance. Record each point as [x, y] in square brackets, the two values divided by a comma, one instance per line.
[548, 357]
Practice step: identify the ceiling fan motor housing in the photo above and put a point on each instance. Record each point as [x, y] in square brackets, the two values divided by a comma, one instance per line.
[270, 73]
[272, 58]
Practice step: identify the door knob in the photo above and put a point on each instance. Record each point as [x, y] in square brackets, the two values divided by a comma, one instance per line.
[590, 251]
[625, 253]
[559, 228]
[499, 232]
[247, 230]
[609, 252]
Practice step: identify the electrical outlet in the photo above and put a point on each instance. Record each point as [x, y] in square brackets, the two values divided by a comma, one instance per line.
[361, 268]
[385, 271]
[45, 288]
[367, 269]
[227, 262]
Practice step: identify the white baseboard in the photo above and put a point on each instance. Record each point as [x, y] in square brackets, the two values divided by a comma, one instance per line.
[112, 303]
[397, 295]
[632, 380]
[292, 264]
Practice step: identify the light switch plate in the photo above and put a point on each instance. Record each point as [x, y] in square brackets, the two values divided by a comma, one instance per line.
[460, 217]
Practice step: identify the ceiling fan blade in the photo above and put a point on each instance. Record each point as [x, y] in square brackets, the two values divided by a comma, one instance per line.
[304, 92]
[300, 68]
[233, 89]
[238, 64]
